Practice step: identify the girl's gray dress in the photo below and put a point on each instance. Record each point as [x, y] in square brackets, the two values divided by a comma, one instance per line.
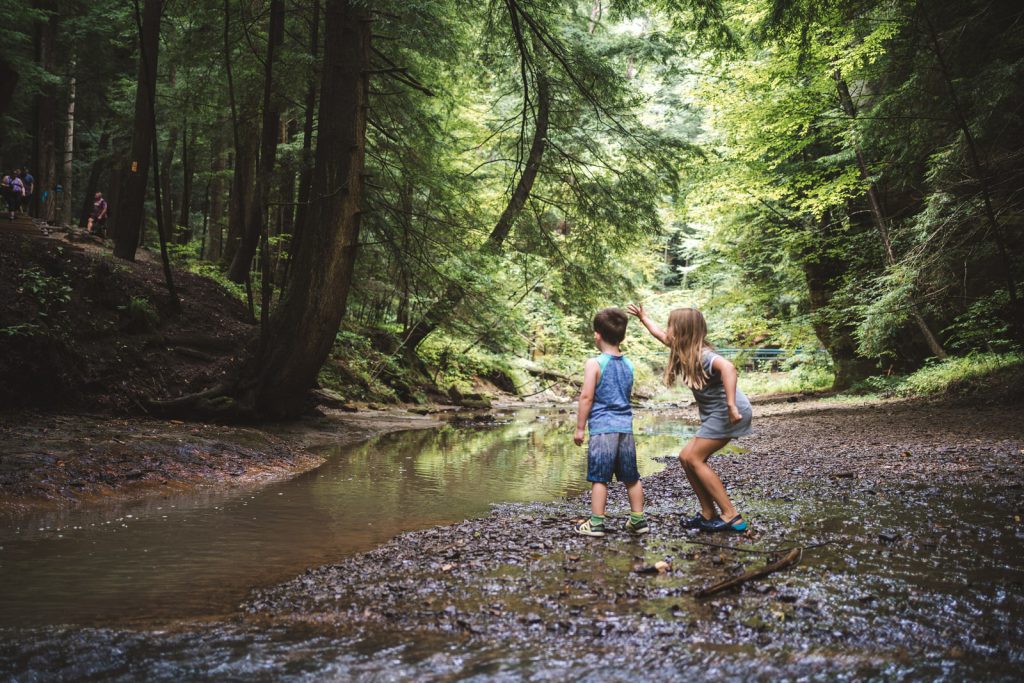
[714, 411]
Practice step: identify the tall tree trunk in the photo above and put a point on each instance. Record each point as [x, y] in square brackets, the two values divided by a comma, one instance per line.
[101, 161]
[118, 169]
[306, 160]
[216, 221]
[256, 217]
[442, 309]
[595, 16]
[69, 150]
[44, 153]
[184, 230]
[166, 163]
[129, 212]
[286, 206]
[823, 274]
[242, 181]
[275, 381]
[977, 167]
[878, 216]
[8, 84]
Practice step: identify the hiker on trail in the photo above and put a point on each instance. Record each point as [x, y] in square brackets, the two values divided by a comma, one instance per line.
[725, 413]
[98, 218]
[605, 411]
[5, 188]
[15, 192]
[30, 192]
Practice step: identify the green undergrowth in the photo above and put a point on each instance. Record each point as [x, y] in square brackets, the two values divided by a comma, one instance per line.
[358, 371]
[371, 365]
[460, 364]
[804, 378]
[961, 375]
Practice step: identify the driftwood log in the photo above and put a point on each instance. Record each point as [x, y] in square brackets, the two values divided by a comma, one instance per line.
[788, 560]
[558, 378]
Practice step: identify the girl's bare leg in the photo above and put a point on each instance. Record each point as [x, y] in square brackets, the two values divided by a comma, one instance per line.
[707, 504]
[695, 461]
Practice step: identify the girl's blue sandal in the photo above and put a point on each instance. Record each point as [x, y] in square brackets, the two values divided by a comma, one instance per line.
[696, 521]
[737, 524]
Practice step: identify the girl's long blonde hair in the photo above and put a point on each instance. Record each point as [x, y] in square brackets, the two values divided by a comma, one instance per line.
[687, 338]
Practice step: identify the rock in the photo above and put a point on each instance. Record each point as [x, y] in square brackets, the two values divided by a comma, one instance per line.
[659, 567]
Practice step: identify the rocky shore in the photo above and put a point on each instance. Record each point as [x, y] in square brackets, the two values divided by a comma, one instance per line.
[908, 513]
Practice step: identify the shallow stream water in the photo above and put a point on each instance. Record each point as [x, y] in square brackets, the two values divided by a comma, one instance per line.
[902, 583]
[198, 554]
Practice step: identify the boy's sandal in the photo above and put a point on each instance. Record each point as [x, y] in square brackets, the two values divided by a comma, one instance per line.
[641, 527]
[586, 529]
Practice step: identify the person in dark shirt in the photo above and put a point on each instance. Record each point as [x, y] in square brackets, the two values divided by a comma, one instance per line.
[98, 217]
[28, 205]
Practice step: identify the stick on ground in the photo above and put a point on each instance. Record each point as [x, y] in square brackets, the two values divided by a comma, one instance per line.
[788, 560]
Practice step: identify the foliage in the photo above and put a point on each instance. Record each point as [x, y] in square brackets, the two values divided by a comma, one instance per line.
[698, 152]
[140, 314]
[962, 375]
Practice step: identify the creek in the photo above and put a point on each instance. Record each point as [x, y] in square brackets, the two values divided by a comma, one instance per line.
[900, 581]
[198, 554]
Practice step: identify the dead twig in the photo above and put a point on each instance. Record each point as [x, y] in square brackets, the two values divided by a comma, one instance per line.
[791, 558]
[773, 551]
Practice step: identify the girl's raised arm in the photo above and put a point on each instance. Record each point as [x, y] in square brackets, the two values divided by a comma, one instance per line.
[652, 327]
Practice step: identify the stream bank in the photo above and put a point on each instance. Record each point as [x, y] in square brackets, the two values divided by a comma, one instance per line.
[55, 461]
[909, 512]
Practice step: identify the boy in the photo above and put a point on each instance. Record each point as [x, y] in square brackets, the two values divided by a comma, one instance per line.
[605, 410]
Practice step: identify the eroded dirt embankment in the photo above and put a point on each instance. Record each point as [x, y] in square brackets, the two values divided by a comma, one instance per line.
[909, 512]
[55, 460]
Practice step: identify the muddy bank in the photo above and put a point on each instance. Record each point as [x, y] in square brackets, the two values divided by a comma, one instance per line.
[48, 460]
[909, 513]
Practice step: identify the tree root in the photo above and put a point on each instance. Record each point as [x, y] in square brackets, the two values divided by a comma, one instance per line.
[212, 402]
[788, 560]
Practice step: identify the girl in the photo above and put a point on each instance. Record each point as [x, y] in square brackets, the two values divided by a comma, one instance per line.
[725, 412]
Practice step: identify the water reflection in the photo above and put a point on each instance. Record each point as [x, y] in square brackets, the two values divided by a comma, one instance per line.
[198, 554]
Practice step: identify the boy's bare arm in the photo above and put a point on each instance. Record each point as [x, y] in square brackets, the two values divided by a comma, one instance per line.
[591, 372]
[652, 327]
[729, 377]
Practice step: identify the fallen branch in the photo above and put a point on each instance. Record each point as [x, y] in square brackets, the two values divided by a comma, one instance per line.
[201, 341]
[791, 558]
[772, 551]
[552, 376]
[195, 353]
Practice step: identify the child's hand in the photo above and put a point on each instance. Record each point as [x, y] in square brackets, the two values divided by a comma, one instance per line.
[734, 414]
[578, 437]
[636, 309]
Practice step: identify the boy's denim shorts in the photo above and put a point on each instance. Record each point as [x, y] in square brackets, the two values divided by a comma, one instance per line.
[613, 453]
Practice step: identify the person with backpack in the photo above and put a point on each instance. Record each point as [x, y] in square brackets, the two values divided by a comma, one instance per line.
[15, 194]
[5, 188]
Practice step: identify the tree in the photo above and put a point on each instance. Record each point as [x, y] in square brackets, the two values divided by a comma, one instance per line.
[128, 214]
[274, 380]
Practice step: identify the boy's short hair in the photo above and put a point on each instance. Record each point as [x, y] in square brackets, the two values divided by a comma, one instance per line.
[611, 323]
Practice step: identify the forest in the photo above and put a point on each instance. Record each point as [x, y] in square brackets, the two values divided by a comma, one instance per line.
[462, 185]
[297, 317]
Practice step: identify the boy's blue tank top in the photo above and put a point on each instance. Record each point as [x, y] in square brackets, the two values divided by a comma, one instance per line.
[612, 412]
